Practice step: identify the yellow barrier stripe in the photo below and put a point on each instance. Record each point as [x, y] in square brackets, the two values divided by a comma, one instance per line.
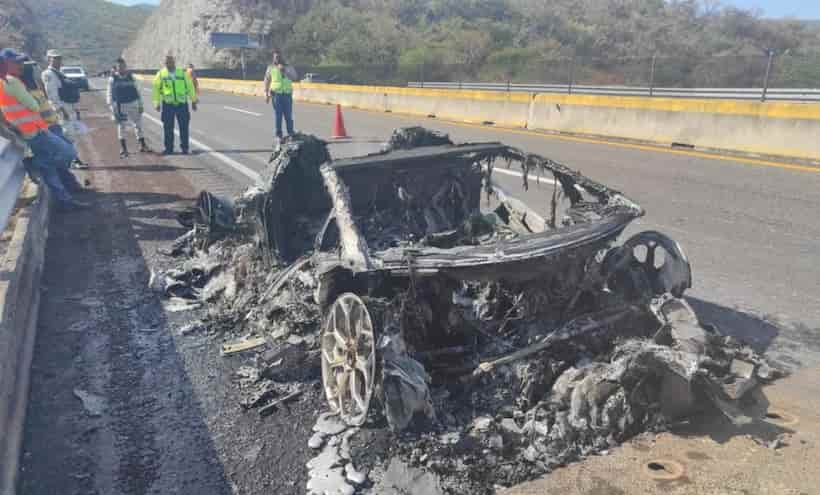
[444, 93]
[777, 110]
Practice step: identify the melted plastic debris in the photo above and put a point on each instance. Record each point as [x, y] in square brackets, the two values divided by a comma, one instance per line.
[403, 479]
[405, 385]
[331, 472]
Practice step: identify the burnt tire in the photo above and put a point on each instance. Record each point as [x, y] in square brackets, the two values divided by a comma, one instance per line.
[648, 264]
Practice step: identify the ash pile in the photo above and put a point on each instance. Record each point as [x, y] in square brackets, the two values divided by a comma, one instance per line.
[464, 341]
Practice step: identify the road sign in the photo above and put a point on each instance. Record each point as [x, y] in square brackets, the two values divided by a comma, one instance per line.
[231, 40]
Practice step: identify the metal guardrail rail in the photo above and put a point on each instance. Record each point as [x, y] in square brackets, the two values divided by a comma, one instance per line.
[12, 174]
[759, 94]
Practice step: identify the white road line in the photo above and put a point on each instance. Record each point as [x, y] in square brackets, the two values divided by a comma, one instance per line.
[243, 111]
[242, 169]
[533, 177]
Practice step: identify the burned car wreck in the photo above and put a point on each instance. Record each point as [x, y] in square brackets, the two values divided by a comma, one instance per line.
[496, 339]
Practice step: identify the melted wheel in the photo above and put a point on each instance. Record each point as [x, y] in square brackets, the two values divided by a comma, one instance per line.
[648, 264]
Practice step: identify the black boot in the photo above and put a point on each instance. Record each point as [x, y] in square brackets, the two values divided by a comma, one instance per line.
[144, 146]
[124, 152]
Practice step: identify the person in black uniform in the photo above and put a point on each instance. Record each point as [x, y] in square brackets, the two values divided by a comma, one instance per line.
[125, 101]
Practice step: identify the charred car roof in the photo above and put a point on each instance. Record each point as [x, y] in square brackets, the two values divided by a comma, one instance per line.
[417, 156]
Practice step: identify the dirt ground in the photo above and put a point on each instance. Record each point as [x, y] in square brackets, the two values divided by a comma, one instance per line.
[166, 417]
[711, 456]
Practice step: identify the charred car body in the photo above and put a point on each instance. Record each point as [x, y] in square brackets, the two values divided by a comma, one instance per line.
[518, 337]
[408, 223]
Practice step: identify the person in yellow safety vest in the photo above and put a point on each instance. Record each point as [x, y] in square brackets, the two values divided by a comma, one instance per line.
[279, 88]
[21, 111]
[173, 89]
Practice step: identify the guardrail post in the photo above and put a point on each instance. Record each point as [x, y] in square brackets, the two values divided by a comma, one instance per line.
[421, 74]
[242, 62]
[652, 76]
[768, 74]
[508, 85]
[571, 74]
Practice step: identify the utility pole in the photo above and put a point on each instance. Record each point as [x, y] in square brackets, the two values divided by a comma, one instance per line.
[242, 61]
[768, 75]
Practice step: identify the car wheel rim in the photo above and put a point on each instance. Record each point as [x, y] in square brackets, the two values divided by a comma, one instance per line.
[349, 358]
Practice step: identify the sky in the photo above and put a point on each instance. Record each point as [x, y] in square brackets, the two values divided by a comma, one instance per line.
[135, 2]
[805, 9]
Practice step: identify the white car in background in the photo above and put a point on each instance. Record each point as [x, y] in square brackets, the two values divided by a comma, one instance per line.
[77, 75]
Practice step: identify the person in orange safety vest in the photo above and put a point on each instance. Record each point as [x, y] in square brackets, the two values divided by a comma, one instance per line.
[21, 111]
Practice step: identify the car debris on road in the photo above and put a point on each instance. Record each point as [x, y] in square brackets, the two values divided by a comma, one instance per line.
[460, 335]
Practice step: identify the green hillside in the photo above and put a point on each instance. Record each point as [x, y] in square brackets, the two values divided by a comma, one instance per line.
[90, 32]
[696, 42]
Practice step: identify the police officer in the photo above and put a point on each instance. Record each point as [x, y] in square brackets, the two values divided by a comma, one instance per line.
[173, 89]
[279, 89]
[125, 101]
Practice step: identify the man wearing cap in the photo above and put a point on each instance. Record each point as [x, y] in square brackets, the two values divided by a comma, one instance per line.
[53, 81]
[173, 89]
[278, 84]
[22, 112]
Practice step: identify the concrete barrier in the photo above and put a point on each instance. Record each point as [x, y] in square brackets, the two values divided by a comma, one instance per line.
[776, 129]
[476, 107]
[19, 307]
[781, 129]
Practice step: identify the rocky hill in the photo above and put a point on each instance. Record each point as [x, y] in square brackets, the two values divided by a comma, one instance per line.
[183, 27]
[91, 32]
[17, 27]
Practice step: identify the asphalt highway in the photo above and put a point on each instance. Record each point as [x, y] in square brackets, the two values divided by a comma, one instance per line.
[750, 227]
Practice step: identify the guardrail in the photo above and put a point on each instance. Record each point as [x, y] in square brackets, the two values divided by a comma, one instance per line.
[12, 174]
[758, 94]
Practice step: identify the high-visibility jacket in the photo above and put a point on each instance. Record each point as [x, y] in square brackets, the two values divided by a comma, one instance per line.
[173, 89]
[46, 108]
[25, 121]
[279, 82]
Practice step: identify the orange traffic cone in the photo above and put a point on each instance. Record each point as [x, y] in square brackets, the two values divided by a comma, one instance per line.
[339, 131]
